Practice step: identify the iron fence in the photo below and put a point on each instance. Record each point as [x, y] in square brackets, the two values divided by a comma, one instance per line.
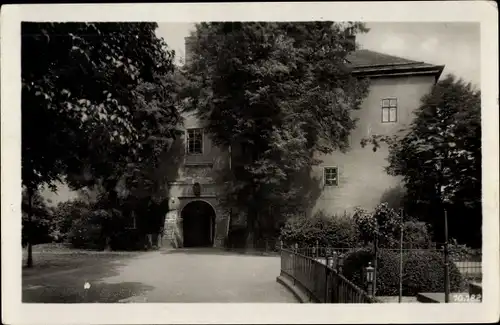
[468, 265]
[322, 282]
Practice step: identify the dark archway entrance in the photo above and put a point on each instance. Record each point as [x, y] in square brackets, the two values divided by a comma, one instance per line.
[198, 224]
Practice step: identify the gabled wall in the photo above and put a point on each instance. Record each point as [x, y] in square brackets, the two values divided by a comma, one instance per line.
[362, 178]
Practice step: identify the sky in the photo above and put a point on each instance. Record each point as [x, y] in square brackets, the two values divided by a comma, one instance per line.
[455, 45]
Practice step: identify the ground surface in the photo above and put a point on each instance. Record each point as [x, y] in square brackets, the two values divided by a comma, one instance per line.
[191, 275]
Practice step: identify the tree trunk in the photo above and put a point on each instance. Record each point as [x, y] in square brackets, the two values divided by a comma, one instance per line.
[29, 263]
[107, 245]
[251, 218]
[250, 240]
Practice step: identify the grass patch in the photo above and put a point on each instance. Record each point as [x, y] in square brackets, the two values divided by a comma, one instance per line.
[57, 257]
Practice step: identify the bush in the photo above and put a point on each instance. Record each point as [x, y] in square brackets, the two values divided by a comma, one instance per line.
[236, 238]
[423, 271]
[332, 231]
[383, 223]
[416, 235]
[354, 264]
[65, 213]
[461, 253]
[387, 269]
[38, 231]
[86, 235]
[87, 231]
[127, 240]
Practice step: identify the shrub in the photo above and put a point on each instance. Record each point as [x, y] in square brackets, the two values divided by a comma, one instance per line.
[65, 213]
[423, 271]
[332, 231]
[38, 231]
[460, 253]
[127, 239]
[87, 231]
[383, 223]
[86, 235]
[354, 264]
[416, 234]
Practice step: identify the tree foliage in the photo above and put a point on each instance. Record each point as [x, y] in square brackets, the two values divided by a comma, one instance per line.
[439, 155]
[41, 228]
[98, 106]
[383, 223]
[276, 93]
[98, 97]
[322, 229]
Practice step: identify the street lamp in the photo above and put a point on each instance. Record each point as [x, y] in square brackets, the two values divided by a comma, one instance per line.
[328, 260]
[340, 264]
[369, 270]
[334, 261]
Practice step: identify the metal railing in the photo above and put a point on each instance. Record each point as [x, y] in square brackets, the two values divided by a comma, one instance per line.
[321, 282]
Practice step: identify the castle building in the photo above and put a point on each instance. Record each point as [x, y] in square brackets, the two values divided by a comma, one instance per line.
[340, 183]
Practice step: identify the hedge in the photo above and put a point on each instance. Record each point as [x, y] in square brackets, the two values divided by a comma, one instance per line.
[128, 240]
[87, 235]
[331, 231]
[423, 271]
[416, 234]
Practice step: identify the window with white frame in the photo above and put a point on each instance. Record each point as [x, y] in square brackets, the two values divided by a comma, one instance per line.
[331, 175]
[194, 141]
[389, 110]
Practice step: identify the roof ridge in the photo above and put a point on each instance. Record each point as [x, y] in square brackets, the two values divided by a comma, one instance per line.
[363, 58]
[387, 55]
[391, 64]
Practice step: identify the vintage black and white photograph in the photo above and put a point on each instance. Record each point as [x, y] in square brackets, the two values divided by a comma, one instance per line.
[296, 162]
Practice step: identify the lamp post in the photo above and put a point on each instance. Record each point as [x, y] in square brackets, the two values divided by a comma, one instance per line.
[369, 270]
[340, 264]
[334, 260]
[328, 260]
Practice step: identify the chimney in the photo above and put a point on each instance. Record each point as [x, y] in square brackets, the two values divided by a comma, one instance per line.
[351, 38]
[188, 48]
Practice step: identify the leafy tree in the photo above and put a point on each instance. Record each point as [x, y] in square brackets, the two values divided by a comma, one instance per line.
[276, 93]
[98, 98]
[40, 228]
[439, 157]
[382, 224]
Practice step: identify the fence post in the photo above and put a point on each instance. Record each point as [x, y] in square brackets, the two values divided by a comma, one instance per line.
[401, 260]
[446, 261]
[327, 272]
[295, 249]
[375, 265]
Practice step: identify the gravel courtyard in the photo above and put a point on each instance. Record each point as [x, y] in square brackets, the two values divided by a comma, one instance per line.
[191, 275]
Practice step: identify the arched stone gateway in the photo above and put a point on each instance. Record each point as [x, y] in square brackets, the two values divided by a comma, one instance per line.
[185, 225]
[198, 224]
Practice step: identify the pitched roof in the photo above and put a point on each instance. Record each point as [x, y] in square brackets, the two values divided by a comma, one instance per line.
[374, 64]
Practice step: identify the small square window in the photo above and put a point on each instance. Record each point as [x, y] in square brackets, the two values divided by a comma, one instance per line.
[389, 110]
[194, 141]
[331, 176]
